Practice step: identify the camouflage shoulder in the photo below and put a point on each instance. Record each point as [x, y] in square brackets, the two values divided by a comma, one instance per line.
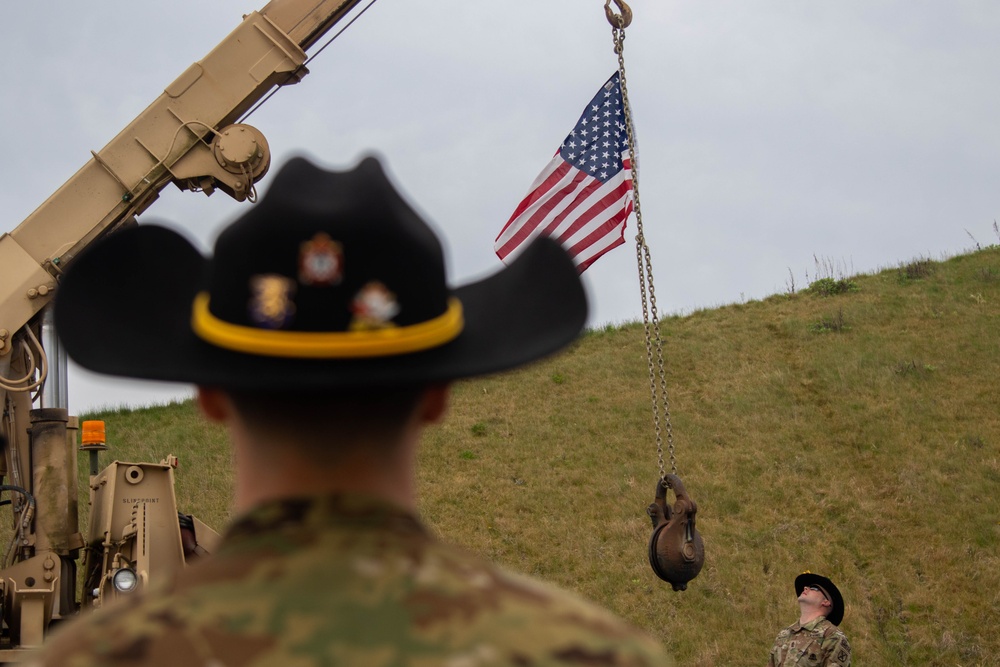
[835, 645]
[123, 635]
[572, 630]
[831, 631]
[840, 655]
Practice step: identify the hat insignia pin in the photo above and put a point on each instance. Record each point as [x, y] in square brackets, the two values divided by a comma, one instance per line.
[271, 304]
[373, 307]
[321, 261]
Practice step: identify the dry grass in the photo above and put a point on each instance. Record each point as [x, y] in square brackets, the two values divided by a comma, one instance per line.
[870, 453]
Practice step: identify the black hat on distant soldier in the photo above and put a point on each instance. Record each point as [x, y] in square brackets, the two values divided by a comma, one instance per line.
[832, 593]
[331, 281]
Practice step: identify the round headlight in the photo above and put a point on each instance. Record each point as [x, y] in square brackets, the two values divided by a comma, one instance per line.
[125, 580]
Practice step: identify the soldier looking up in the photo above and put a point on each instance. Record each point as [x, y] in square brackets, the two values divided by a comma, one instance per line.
[323, 335]
[815, 639]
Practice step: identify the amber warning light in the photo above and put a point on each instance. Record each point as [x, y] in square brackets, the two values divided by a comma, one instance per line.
[93, 432]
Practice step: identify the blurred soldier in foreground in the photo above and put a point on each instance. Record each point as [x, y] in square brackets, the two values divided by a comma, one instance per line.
[815, 639]
[323, 335]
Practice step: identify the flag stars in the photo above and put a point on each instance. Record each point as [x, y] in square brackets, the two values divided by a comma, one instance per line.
[594, 144]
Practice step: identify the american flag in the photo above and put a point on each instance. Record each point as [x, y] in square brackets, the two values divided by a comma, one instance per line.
[584, 196]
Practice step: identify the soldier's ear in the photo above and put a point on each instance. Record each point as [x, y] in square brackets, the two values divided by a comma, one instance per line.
[434, 403]
[214, 404]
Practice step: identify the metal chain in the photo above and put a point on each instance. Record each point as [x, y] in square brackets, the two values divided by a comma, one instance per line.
[650, 317]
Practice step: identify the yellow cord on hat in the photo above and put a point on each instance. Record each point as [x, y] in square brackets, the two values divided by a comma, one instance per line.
[327, 344]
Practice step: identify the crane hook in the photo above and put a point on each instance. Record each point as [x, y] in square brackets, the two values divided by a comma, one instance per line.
[622, 20]
[676, 550]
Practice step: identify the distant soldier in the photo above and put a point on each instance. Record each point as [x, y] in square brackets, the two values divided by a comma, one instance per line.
[323, 335]
[815, 640]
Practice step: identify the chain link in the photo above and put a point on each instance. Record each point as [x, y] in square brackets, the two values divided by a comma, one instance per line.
[644, 262]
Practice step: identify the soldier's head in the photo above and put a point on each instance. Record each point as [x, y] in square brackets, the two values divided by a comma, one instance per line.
[326, 301]
[818, 593]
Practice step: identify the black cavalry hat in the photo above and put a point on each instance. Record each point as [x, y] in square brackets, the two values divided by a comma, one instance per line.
[332, 281]
[807, 578]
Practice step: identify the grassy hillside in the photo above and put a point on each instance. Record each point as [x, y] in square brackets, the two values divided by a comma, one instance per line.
[851, 429]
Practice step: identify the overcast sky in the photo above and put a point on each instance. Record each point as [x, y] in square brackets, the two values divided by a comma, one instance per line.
[863, 133]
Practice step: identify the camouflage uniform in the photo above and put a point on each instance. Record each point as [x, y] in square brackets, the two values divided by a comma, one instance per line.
[345, 580]
[818, 642]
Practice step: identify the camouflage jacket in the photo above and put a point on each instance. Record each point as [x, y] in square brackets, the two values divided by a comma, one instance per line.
[346, 581]
[818, 642]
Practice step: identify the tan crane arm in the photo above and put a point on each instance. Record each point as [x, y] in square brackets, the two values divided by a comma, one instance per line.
[185, 136]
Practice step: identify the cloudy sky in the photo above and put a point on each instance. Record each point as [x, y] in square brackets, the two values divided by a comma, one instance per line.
[772, 134]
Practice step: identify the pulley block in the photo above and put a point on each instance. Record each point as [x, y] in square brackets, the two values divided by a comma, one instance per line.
[676, 550]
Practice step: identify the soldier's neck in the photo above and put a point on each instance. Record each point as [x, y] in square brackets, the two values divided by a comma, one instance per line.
[284, 472]
[808, 614]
